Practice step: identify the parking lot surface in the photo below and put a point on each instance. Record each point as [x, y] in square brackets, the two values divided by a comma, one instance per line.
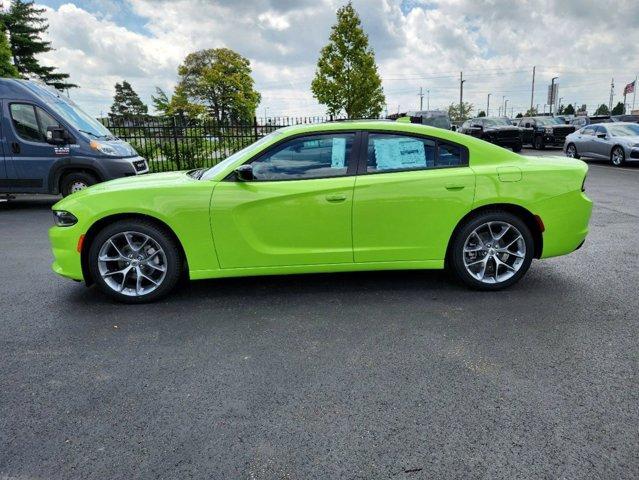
[365, 375]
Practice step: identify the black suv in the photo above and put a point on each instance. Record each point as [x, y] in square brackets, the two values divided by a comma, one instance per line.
[497, 130]
[542, 131]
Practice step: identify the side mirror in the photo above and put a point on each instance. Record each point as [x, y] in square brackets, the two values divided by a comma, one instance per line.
[244, 173]
[57, 135]
[477, 125]
[453, 128]
[601, 135]
[528, 125]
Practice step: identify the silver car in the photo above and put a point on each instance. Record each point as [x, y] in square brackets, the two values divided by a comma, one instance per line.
[615, 142]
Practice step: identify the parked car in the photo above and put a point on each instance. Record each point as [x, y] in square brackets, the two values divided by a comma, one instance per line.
[542, 131]
[616, 142]
[583, 120]
[625, 118]
[495, 130]
[342, 196]
[433, 118]
[52, 146]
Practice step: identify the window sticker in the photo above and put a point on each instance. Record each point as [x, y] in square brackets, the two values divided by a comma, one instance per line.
[338, 152]
[396, 153]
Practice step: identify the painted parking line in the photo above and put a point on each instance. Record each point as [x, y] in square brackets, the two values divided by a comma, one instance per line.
[614, 169]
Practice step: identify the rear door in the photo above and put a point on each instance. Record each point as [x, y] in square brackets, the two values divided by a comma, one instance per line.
[410, 193]
[29, 157]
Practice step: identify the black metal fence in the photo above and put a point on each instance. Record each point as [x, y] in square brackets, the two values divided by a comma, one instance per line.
[179, 143]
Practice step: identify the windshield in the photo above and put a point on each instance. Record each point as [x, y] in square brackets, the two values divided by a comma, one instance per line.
[69, 111]
[623, 130]
[215, 169]
[493, 122]
[548, 121]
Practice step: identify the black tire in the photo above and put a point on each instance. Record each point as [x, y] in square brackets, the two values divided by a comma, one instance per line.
[70, 182]
[517, 147]
[174, 260]
[574, 148]
[538, 142]
[620, 159]
[456, 253]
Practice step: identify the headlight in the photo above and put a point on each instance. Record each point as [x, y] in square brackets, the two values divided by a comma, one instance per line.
[63, 218]
[548, 130]
[103, 148]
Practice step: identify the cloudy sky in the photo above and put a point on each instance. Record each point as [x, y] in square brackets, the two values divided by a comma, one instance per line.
[418, 43]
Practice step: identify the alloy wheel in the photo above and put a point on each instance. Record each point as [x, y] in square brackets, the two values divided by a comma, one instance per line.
[494, 252]
[132, 263]
[618, 157]
[571, 151]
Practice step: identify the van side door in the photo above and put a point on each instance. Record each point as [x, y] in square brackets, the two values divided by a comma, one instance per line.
[28, 156]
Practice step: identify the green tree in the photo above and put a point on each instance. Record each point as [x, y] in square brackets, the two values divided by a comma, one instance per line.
[531, 112]
[560, 110]
[569, 110]
[25, 24]
[619, 109]
[346, 79]
[481, 113]
[219, 79]
[602, 110]
[178, 104]
[7, 68]
[519, 115]
[454, 112]
[126, 101]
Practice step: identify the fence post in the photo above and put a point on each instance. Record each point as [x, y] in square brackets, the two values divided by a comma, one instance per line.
[175, 143]
[255, 127]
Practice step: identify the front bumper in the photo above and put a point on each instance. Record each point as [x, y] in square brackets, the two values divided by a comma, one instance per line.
[66, 258]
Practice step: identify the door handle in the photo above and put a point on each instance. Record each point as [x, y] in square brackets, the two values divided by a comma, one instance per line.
[15, 147]
[335, 198]
[454, 186]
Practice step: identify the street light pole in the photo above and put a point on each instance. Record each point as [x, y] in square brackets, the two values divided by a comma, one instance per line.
[506, 108]
[488, 106]
[461, 96]
[427, 99]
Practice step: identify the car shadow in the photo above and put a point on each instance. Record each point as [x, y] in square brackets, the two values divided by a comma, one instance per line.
[30, 202]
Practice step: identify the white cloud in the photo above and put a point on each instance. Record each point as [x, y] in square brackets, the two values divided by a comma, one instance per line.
[495, 43]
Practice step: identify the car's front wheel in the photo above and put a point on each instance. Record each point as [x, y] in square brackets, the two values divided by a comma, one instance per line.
[618, 157]
[571, 151]
[538, 142]
[517, 147]
[492, 250]
[135, 261]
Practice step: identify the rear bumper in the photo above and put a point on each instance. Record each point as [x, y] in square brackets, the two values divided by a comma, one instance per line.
[66, 258]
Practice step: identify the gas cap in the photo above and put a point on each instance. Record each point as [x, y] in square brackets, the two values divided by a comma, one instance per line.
[509, 174]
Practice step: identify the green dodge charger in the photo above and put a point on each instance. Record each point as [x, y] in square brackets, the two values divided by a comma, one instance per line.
[333, 197]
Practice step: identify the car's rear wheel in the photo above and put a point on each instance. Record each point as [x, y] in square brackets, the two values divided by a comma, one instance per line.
[618, 157]
[76, 181]
[135, 261]
[571, 151]
[492, 250]
[538, 142]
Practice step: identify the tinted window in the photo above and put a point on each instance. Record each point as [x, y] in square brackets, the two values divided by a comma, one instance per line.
[588, 130]
[25, 122]
[602, 130]
[313, 156]
[388, 152]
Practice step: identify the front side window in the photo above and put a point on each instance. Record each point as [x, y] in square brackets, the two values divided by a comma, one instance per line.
[588, 131]
[31, 122]
[313, 156]
[388, 152]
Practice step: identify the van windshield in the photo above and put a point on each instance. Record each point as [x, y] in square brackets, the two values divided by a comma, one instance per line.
[69, 111]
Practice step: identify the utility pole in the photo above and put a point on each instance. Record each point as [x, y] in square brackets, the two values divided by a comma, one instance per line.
[503, 105]
[427, 99]
[488, 106]
[421, 99]
[612, 91]
[552, 94]
[461, 96]
[532, 91]
[506, 108]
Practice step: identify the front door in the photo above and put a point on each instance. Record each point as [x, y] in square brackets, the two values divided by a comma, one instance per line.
[601, 146]
[297, 210]
[29, 156]
[409, 198]
[587, 141]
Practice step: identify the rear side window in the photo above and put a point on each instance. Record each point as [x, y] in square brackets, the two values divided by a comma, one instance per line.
[31, 122]
[314, 156]
[388, 152]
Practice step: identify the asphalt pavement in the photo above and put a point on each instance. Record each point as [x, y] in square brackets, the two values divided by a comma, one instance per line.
[363, 375]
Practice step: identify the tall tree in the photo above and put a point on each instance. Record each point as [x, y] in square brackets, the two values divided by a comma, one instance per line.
[481, 113]
[346, 79]
[7, 68]
[569, 110]
[25, 24]
[126, 101]
[457, 116]
[602, 110]
[219, 79]
[618, 109]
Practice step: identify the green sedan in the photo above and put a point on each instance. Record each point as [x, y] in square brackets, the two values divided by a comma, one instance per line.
[333, 197]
